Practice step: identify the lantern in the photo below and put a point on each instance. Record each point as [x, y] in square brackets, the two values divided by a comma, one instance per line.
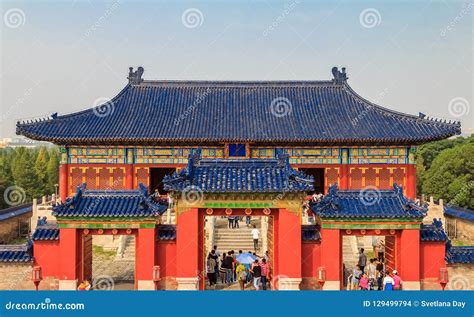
[156, 276]
[36, 276]
[321, 276]
[443, 277]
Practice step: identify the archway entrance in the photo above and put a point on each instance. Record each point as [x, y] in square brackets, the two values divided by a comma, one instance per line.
[271, 216]
[233, 236]
[108, 258]
[377, 244]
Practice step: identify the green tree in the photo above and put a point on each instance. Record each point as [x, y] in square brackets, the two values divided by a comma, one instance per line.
[451, 175]
[53, 170]
[426, 153]
[41, 165]
[24, 175]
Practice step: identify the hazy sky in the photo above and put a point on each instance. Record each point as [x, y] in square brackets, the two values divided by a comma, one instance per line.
[63, 56]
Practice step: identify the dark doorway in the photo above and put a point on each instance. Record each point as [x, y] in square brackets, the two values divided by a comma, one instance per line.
[318, 174]
[156, 179]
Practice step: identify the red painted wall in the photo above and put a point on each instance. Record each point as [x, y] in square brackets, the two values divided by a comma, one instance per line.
[187, 235]
[310, 259]
[409, 265]
[46, 255]
[145, 253]
[69, 254]
[331, 253]
[166, 258]
[289, 244]
[431, 259]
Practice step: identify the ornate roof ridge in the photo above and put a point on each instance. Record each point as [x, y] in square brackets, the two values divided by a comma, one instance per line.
[236, 83]
[307, 106]
[385, 110]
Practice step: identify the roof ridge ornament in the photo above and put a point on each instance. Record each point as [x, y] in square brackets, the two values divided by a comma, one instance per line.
[340, 77]
[135, 77]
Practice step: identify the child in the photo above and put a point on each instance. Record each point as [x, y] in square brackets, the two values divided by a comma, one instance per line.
[364, 282]
[356, 274]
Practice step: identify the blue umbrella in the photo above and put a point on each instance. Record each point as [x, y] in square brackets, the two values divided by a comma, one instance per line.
[246, 258]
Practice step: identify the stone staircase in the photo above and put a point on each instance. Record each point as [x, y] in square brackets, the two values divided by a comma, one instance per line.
[237, 239]
[128, 252]
[349, 251]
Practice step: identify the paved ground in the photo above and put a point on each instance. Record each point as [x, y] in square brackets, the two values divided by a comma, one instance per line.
[110, 272]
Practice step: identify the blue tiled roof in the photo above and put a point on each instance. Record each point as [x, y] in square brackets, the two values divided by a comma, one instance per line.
[459, 254]
[367, 204]
[459, 212]
[310, 233]
[166, 232]
[433, 232]
[46, 231]
[110, 203]
[15, 211]
[311, 112]
[234, 175]
[16, 253]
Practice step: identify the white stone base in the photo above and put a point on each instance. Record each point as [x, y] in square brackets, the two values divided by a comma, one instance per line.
[67, 285]
[332, 286]
[187, 283]
[411, 286]
[145, 285]
[289, 283]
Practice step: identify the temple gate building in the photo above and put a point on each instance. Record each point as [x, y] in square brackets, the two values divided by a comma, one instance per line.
[239, 148]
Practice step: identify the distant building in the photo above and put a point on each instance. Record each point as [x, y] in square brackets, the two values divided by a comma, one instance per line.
[459, 223]
[21, 142]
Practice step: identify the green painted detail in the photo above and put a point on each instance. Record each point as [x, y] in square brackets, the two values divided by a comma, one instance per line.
[107, 225]
[229, 204]
[106, 219]
[147, 225]
[369, 226]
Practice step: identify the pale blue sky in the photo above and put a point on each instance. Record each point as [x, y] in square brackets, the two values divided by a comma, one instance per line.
[62, 56]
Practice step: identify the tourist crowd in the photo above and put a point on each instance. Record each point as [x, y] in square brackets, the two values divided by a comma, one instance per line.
[248, 269]
[374, 275]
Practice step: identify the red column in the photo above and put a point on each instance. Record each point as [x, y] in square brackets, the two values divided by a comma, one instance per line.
[129, 176]
[409, 266]
[145, 258]
[331, 257]
[63, 192]
[411, 181]
[344, 170]
[69, 258]
[289, 250]
[187, 249]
